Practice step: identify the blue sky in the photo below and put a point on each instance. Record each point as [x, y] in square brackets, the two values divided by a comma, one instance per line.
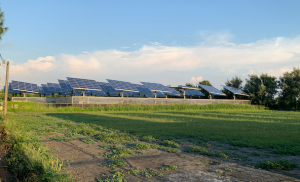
[171, 42]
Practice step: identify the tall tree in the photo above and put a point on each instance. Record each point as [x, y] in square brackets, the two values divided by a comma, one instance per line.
[289, 83]
[235, 82]
[253, 88]
[269, 86]
[2, 28]
[262, 89]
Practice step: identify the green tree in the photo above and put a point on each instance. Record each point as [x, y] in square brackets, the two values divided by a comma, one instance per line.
[205, 82]
[289, 96]
[2, 28]
[269, 86]
[253, 88]
[235, 82]
[262, 89]
[189, 85]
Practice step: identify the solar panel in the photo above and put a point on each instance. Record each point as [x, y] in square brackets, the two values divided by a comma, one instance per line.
[234, 90]
[84, 84]
[54, 87]
[121, 85]
[157, 87]
[127, 94]
[11, 91]
[106, 87]
[192, 92]
[45, 88]
[65, 85]
[160, 94]
[114, 94]
[148, 95]
[212, 90]
[24, 86]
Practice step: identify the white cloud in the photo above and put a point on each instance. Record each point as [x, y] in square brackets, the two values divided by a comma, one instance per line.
[195, 80]
[272, 56]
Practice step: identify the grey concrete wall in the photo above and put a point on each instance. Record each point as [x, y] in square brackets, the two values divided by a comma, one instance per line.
[33, 99]
[132, 100]
[124, 100]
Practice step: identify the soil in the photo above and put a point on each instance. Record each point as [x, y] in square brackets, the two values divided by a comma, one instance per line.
[84, 164]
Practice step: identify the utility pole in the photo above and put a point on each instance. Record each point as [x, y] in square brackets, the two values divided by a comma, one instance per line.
[6, 90]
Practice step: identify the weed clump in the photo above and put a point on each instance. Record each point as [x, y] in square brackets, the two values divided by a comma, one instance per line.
[113, 137]
[145, 146]
[117, 163]
[169, 143]
[119, 153]
[88, 140]
[168, 168]
[148, 139]
[276, 165]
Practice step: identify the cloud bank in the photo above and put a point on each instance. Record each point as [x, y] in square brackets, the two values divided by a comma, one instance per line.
[268, 56]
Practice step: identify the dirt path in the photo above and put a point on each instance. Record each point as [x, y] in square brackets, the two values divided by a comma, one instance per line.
[84, 164]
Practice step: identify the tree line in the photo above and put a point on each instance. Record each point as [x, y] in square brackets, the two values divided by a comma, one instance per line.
[278, 93]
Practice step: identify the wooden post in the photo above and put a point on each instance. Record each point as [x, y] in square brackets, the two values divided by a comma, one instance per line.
[6, 90]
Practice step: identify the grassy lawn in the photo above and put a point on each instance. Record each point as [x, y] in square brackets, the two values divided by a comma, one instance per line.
[276, 130]
[169, 126]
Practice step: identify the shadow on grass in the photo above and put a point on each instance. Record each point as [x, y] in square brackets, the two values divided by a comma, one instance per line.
[208, 129]
[246, 133]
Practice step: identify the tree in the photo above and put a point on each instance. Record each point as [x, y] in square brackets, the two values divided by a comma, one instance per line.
[205, 82]
[253, 88]
[262, 89]
[2, 29]
[189, 85]
[289, 83]
[235, 82]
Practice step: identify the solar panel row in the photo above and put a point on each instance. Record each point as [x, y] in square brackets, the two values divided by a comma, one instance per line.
[74, 86]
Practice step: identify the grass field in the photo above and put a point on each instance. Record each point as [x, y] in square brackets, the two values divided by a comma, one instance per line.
[236, 125]
[274, 130]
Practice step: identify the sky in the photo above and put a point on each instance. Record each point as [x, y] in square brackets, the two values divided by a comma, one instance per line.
[168, 42]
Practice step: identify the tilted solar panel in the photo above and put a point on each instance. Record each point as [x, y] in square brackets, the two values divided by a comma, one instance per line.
[65, 85]
[45, 88]
[54, 87]
[234, 90]
[212, 90]
[106, 87]
[121, 85]
[192, 92]
[24, 86]
[84, 84]
[157, 87]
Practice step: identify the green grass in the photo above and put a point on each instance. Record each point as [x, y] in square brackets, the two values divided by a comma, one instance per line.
[42, 107]
[277, 165]
[28, 160]
[274, 130]
[167, 125]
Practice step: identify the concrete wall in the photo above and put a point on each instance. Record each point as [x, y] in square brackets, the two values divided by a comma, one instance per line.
[33, 99]
[132, 100]
[124, 100]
